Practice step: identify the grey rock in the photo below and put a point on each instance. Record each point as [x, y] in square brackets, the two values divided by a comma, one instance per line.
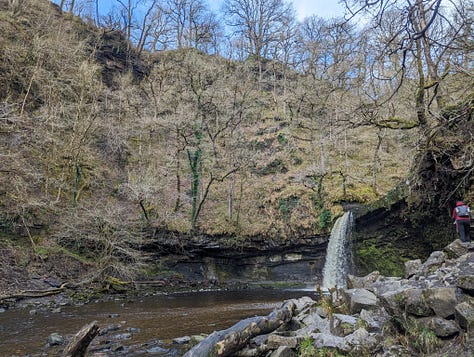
[343, 325]
[466, 283]
[182, 340]
[322, 340]
[412, 267]
[375, 319]
[358, 299]
[361, 338]
[441, 300]
[415, 304]
[440, 326]
[456, 249]
[316, 323]
[384, 285]
[109, 328]
[157, 349]
[55, 339]
[464, 314]
[122, 336]
[390, 301]
[304, 303]
[434, 261]
[354, 282]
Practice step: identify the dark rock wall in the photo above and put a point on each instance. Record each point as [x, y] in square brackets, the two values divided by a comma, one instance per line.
[387, 237]
[256, 260]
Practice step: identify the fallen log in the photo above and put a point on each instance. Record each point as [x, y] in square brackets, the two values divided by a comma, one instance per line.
[227, 342]
[79, 343]
[33, 293]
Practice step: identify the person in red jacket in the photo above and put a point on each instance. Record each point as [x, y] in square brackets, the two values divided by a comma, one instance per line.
[462, 217]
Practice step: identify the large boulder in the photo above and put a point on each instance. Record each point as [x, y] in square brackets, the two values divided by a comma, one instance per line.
[457, 248]
[358, 299]
[464, 313]
[415, 303]
[391, 301]
[361, 341]
[434, 261]
[343, 325]
[374, 319]
[325, 340]
[466, 283]
[441, 300]
[303, 304]
[441, 327]
[388, 284]
[315, 323]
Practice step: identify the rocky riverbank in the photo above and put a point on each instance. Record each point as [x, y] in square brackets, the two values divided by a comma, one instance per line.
[430, 311]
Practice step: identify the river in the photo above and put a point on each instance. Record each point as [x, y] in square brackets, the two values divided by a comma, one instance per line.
[150, 322]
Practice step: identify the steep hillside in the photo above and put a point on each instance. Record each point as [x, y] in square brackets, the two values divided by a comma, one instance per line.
[100, 144]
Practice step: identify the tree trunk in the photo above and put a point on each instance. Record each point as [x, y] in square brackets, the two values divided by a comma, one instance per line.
[78, 345]
[227, 342]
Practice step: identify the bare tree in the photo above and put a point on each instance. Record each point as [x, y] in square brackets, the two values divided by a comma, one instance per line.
[260, 23]
[422, 41]
[191, 22]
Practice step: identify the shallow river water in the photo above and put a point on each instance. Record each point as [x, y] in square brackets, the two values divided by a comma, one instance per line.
[152, 318]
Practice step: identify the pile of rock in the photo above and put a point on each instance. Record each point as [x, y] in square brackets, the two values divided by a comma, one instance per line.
[430, 311]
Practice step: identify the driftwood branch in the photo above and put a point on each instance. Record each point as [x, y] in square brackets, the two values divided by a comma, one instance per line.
[78, 345]
[227, 342]
[33, 293]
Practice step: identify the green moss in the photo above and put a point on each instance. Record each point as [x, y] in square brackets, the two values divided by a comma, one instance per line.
[387, 260]
[325, 218]
[282, 139]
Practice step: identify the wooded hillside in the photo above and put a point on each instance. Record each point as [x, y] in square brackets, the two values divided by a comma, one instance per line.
[103, 135]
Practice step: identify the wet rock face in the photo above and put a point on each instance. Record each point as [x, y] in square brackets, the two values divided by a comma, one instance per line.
[385, 238]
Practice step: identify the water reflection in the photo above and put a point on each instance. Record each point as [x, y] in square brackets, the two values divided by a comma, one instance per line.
[156, 317]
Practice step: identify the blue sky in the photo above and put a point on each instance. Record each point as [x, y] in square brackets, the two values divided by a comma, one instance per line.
[305, 8]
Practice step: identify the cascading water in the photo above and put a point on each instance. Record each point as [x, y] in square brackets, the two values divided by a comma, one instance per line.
[339, 253]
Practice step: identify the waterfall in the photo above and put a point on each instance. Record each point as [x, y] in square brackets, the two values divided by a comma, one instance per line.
[339, 253]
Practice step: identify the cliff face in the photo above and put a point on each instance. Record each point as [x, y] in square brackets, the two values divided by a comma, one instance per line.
[388, 236]
[218, 260]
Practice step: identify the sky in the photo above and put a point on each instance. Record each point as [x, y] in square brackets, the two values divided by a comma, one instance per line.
[322, 8]
[304, 8]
